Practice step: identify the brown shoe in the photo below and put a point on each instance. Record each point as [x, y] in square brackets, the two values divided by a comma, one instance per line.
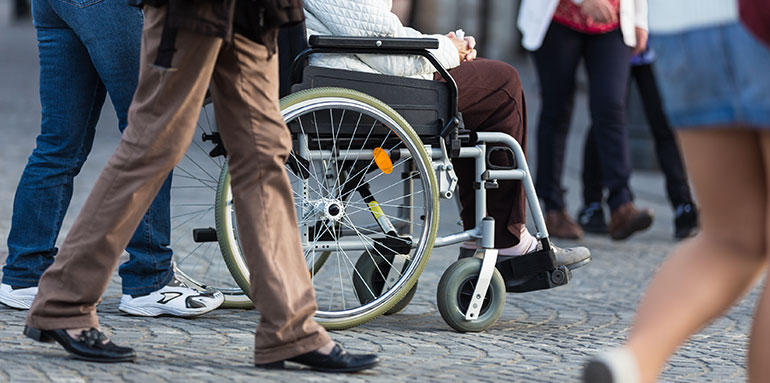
[627, 220]
[560, 225]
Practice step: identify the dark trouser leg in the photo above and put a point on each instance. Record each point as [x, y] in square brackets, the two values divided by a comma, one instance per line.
[592, 172]
[20, 9]
[666, 145]
[556, 62]
[491, 100]
[607, 62]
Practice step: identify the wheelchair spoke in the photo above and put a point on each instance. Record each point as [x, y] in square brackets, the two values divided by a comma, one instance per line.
[353, 166]
[190, 253]
[339, 272]
[367, 166]
[312, 163]
[407, 195]
[350, 142]
[360, 210]
[199, 218]
[371, 240]
[324, 162]
[216, 163]
[197, 212]
[376, 264]
[411, 177]
[207, 183]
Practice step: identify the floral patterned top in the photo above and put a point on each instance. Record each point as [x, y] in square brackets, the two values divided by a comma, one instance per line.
[568, 14]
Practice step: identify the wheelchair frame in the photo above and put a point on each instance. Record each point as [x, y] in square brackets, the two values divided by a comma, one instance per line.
[539, 270]
[439, 140]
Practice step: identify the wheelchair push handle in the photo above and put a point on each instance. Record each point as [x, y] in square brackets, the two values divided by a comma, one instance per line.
[383, 43]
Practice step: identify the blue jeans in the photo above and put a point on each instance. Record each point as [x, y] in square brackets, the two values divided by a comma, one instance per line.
[87, 48]
[714, 76]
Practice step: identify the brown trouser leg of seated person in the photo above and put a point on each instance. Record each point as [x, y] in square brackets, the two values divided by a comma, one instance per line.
[491, 100]
[162, 121]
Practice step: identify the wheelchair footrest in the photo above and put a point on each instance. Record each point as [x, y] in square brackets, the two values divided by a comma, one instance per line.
[533, 271]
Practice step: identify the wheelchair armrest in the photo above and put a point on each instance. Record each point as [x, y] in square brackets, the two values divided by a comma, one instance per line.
[365, 43]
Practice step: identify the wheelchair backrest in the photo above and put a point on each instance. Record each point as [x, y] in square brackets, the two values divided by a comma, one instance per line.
[424, 104]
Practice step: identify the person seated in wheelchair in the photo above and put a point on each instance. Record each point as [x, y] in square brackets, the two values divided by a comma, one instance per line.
[491, 99]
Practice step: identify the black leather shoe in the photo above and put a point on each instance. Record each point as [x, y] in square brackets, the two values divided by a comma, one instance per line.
[89, 346]
[685, 221]
[338, 360]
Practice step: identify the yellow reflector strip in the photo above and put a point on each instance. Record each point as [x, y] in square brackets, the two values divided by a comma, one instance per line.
[376, 210]
[382, 160]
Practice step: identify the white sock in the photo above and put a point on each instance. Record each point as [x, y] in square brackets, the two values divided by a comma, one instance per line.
[622, 365]
[527, 244]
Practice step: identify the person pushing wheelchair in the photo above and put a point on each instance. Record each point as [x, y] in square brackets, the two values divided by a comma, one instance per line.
[229, 45]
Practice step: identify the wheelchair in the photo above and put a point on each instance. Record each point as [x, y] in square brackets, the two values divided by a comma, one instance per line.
[371, 158]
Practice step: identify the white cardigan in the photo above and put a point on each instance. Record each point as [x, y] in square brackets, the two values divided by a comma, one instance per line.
[535, 18]
[371, 18]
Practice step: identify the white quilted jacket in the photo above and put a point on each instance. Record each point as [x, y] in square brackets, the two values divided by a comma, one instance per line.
[371, 18]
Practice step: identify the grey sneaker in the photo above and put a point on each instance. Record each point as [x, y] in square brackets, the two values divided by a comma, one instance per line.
[612, 366]
[572, 257]
[19, 298]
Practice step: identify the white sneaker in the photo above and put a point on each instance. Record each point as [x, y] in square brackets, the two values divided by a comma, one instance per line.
[17, 298]
[612, 366]
[175, 299]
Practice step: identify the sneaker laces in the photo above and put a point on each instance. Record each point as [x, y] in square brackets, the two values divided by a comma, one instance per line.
[175, 282]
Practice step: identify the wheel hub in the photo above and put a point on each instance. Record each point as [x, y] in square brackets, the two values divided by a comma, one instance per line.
[330, 209]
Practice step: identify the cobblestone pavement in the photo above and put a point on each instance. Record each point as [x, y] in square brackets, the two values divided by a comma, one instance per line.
[541, 337]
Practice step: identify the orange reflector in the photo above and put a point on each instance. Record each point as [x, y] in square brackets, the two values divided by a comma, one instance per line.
[382, 160]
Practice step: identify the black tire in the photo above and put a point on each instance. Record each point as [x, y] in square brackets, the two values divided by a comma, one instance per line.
[369, 279]
[454, 294]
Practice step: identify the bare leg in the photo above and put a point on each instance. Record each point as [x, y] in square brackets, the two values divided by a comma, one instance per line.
[707, 274]
[759, 348]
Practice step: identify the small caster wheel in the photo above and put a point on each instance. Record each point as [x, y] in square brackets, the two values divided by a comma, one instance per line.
[369, 280]
[558, 277]
[455, 290]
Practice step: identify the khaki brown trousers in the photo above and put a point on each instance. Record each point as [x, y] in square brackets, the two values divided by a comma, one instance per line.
[161, 122]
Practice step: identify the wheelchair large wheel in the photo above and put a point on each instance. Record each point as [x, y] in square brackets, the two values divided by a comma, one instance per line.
[197, 258]
[455, 290]
[364, 187]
